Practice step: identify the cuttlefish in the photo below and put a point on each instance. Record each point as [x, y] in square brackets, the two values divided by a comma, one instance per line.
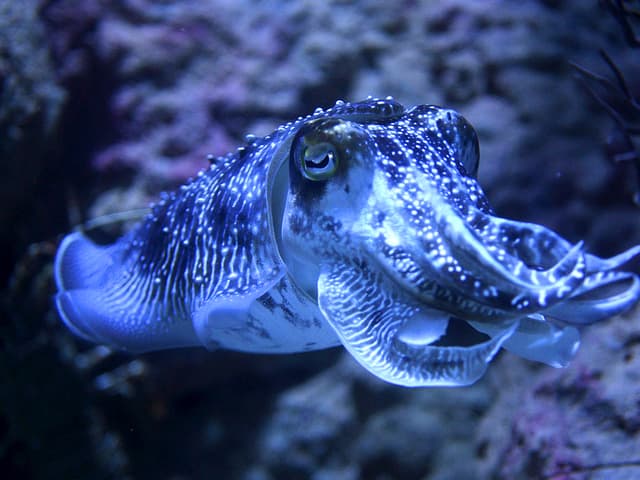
[361, 225]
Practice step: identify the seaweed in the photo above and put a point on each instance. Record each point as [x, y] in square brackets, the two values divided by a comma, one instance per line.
[625, 13]
[615, 95]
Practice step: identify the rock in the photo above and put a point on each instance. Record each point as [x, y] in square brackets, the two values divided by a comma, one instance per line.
[309, 428]
[183, 81]
[578, 422]
[30, 105]
[345, 423]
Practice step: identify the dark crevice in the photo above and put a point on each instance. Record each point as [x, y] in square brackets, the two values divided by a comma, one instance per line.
[86, 124]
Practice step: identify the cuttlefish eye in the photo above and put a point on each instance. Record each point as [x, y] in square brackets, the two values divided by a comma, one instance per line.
[319, 162]
[316, 151]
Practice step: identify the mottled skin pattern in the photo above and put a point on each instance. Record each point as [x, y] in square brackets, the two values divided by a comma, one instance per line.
[363, 225]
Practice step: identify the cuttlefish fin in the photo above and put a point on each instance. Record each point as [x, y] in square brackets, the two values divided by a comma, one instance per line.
[387, 331]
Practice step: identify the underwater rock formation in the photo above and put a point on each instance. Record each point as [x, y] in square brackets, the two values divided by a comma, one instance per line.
[578, 423]
[134, 68]
[30, 105]
[346, 425]
[184, 82]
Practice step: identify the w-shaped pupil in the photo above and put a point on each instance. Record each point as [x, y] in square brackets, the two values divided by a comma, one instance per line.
[323, 163]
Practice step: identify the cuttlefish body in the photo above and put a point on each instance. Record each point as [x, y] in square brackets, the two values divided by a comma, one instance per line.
[362, 225]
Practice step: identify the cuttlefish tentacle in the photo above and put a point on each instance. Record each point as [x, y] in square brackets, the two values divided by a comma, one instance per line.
[597, 294]
[541, 269]
[519, 284]
[602, 295]
[538, 246]
[377, 323]
[597, 264]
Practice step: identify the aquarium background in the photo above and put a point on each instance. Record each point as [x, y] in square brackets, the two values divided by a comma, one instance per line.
[104, 104]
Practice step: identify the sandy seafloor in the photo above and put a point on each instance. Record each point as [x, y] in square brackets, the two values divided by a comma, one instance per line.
[103, 104]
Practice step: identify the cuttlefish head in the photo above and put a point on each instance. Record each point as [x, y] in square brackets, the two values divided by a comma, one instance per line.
[387, 228]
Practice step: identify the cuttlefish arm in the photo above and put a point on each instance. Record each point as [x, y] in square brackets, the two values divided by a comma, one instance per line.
[538, 339]
[389, 333]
